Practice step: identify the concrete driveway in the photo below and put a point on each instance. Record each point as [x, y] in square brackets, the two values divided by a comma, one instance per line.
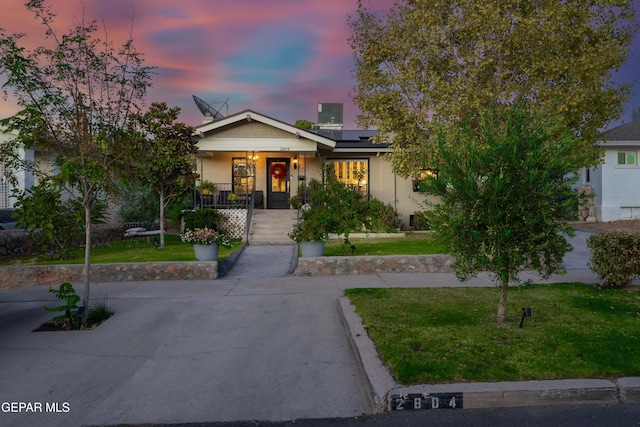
[174, 352]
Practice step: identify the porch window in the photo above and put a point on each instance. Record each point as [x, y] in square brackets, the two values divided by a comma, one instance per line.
[244, 172]
[353, 172]
[627, 158]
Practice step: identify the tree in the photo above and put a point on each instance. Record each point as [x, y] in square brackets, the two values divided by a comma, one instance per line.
[77, 95]
[335, 207]
[303, 124]
[166, 155]
[505, 196]
[432, 64]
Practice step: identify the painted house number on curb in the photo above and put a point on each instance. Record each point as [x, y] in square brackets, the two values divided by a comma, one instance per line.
[416, 401]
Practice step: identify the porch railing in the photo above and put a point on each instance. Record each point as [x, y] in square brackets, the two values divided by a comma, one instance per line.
[224, 197]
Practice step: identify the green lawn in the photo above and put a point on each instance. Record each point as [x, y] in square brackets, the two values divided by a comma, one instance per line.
[445, 335]
[137, 249]
[412, 244]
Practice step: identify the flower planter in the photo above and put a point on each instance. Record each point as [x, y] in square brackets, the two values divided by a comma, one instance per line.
[206, 252]
[312, 249]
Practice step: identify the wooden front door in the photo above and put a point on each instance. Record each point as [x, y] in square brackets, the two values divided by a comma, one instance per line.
[278, 183]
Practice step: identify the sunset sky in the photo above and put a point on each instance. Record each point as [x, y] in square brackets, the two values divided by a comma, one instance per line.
[278, 57]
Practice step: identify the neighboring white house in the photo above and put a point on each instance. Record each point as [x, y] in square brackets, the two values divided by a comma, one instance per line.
[23, 178]
[616, 182]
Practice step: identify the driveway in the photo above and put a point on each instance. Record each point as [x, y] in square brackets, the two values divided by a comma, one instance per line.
[239, 348]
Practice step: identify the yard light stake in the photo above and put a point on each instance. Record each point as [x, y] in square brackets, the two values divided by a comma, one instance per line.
[526, 312]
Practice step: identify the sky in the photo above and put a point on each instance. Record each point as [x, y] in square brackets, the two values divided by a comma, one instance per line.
[279, 58]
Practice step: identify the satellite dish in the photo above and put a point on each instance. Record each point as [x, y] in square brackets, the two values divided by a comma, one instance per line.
[209, 110]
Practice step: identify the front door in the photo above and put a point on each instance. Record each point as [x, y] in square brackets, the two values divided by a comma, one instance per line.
[278, 183]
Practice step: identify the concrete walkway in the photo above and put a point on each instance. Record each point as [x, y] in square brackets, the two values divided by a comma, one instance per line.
[258, 344]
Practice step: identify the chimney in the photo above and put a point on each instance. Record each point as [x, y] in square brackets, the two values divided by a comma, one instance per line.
[635, 116]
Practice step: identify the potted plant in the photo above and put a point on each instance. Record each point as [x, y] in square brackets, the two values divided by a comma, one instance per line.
[232, 198]
[206, 187]
[294, 202]
[310, 234]
[205, 242]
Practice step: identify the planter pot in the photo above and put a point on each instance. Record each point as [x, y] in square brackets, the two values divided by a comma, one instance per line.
[312, 249]
[206, 252]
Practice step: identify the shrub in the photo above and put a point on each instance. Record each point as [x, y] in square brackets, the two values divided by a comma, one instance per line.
[379, 217]
[202, 218]
[54, 225]
[615, 257]
[421, 221]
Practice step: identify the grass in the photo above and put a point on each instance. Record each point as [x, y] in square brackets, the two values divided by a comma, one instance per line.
[412, 244]
[445, 335]
[137, 249]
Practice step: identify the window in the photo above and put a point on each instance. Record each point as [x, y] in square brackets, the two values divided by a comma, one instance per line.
[627, 158]
[421, 176]
[353, 172]
[244, 172]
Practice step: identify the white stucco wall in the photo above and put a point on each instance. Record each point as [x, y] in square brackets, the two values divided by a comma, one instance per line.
[617, 188]
[23, 177]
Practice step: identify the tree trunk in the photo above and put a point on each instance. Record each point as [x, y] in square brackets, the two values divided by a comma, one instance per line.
[502, 305]
[161, 219]
[87, 262]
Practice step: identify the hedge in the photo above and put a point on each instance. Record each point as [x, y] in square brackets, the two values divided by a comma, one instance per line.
[615, 257]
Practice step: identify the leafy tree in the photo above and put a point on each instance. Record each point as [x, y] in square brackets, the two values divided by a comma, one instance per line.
[505, 196]
[77, 95]
[303, 124]
[432, 64]
[166, 155]
[138, 204]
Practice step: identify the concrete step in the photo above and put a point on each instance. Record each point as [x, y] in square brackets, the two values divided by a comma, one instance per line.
[271, 226]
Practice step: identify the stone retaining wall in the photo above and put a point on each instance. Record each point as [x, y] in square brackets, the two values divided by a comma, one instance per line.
[336, 265]
[16, 276]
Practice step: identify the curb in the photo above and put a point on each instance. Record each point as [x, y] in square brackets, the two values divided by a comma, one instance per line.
[387, 395]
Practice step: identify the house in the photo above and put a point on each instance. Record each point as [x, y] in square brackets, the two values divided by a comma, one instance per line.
[616, 181]
[13, 178]
[249, 151]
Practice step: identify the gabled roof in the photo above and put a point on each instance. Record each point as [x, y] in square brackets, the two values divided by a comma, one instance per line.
[247, 116]
[624, 134]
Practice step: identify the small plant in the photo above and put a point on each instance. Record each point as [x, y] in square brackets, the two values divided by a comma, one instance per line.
[295, 201]
[306, 233]
[205, 236]
[233, 197]
[206, 187]
[66, 293]
[99, 312]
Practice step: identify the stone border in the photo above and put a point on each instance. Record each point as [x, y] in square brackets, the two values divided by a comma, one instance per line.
[336, 265]
[16, 276]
